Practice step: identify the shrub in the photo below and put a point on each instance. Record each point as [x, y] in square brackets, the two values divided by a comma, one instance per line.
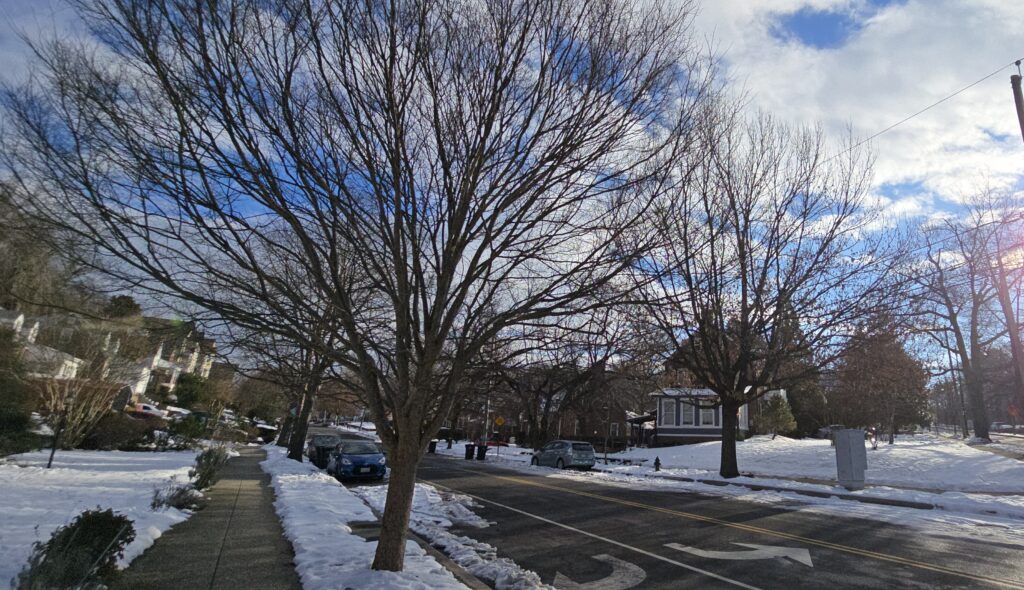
[189, 428]
[20, 442]
[204, 474]
[119, 431]
[82, 554]
[181, 496]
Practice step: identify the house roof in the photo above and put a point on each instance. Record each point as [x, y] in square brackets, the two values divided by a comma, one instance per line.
[687, 392]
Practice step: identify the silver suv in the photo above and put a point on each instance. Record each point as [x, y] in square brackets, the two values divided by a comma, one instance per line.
[562, 454]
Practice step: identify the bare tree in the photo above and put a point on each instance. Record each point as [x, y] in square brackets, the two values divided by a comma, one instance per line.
[764, 258]
[443, 170]
[955, 300]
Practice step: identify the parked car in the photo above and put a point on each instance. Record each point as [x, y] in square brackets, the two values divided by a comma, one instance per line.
[356, 459]
[563, 454]
[149, 410]
[319, 448]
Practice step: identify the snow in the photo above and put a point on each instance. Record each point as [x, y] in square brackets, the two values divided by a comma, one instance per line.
[510, 454]
[34, 500]
[317, 511]
[367, 428]
[435, 511]
[921, 461]
[993, 515]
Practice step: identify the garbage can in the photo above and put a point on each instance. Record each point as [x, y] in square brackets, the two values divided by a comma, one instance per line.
[469, 450]
[432, 447]
[481, 452]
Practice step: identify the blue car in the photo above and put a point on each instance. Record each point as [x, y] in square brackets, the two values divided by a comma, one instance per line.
[357, 459]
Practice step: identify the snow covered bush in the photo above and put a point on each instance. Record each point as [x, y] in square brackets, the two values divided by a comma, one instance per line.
[204, 474]
[81, 555]
[180, 496]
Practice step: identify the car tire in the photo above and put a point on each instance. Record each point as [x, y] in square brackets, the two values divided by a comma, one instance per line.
[534, 462]
[559, 464]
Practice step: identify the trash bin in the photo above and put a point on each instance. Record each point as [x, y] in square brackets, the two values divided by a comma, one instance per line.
[481, 452]
[432, 447]
[469, 450]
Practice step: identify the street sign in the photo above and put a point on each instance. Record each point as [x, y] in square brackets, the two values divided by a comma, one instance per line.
[499, 421]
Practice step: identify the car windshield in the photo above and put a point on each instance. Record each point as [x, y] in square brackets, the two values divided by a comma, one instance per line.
[326, 441]
[582, 447]
[360, 448]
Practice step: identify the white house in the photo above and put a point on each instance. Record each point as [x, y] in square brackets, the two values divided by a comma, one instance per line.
[691, 415]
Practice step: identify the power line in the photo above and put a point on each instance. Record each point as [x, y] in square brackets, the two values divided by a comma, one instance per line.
[925, 109]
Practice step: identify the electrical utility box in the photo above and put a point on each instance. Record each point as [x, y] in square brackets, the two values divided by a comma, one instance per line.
[851, 458]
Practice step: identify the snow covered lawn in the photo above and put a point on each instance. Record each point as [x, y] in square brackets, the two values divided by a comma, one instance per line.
[34, 500]
[316, 510]
[921, 461]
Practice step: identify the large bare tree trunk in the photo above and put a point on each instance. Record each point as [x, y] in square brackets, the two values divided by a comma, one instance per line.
[976, 401]
[394, 523]
[729, 467]
[285, 436]
[300, 425]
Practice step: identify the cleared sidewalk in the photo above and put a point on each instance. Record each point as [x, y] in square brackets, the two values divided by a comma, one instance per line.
[235, 542]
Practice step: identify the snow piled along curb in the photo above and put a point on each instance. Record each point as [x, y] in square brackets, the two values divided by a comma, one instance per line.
[316, 510]
[34, 501]
[434, 511]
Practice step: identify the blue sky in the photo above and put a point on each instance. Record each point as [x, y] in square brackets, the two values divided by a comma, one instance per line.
[852, 66]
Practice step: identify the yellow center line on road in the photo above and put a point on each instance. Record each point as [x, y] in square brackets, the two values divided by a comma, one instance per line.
[769, 532]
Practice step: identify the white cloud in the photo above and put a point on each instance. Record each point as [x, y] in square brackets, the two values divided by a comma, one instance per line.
[902, 58]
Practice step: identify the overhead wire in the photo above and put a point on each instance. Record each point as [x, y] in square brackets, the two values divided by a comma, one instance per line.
[927, 108]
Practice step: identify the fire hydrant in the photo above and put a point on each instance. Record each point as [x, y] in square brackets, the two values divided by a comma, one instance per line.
[657, 463]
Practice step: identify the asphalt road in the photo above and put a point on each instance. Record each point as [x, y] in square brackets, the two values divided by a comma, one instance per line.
[588, 535]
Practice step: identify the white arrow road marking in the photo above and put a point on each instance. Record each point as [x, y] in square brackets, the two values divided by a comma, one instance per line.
[685, 566]
[759, 552]
[624, 575]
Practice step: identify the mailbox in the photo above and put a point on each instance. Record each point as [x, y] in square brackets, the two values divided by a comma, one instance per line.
[851, 458]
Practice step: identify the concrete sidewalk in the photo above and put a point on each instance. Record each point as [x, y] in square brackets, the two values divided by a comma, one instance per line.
[235, 542]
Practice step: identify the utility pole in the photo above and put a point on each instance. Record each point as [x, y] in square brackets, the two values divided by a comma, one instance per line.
[1018, 98]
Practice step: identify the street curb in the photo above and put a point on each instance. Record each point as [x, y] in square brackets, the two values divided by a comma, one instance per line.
[460, 573]
[762, 487]
[811, 493]
[369, 530]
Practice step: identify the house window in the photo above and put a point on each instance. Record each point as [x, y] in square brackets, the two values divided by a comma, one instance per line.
[686, 410]
[615, 429]
[668, 412]
[707, 416]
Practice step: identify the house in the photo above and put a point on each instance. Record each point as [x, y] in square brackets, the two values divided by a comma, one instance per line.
[43, 361]
[24, 329]
[690, 415]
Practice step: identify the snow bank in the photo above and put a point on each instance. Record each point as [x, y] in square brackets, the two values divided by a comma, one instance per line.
[368, 430]
[509, 454]
[316, 510]
[921, 461]
[34, 500]
[434, 511]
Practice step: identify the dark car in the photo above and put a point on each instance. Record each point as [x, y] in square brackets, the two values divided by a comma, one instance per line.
[357, 459]
[319, 448]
